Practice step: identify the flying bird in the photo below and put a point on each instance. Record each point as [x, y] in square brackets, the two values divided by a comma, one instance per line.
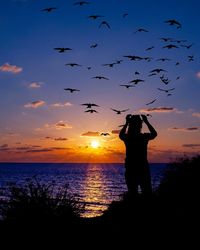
[150, 48]
[164, 80]
[187, 46]
[157, 71]
[71, 90]
[118, 112]
[166, 39]
[93, 46]
[141, 30]
[50, 9]
[163, 59]
[151, 102]
[136, 81]
[190, 58]
[109, 64]
[94, 17]
[127, 85]
[137, 73]
[104, 23]
[61, 50]
[89, 105]
[119, 61]
[81, 3]
[174, 22]
[170, 46]
[125, 15]
[105, 134]
[133, 58]
[73, 64]
[91, 111]
[100, 77]
[166, 90]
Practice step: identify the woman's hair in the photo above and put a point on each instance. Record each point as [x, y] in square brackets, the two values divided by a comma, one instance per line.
[135, 124]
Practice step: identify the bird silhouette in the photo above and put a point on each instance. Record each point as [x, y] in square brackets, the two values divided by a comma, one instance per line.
[190, 58]
[133, 58]
[109, 64]
[127, 86]
[100, 77]
[73, 64]
[136, 81]
[118, 112]
[104, 134]
[187, 46]
[179, 41]
[157, 71]
[178, 77]
[94, 17]
[174, 23]
[119, 61]
[61, 50]
[137, 73]
[163, 59]
[141, 30]
[170, 46]
[151, 102]
[164, 80]
[166, 90]
[125, 15]
[150, 48]
[50, 9]
[93, 46]
[89, 105]
[91, 111]
[177, 63]
[71, 90]
[81, 3]
[166, 39]
[104, 23]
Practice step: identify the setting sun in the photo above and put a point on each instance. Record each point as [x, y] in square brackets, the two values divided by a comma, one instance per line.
[94, 144]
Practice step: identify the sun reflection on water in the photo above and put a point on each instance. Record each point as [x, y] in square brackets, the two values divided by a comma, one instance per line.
[94, 191]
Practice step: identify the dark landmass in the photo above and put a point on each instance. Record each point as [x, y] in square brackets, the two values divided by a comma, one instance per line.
[170, 216]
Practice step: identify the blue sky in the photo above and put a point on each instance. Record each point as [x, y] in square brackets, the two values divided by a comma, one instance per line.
[32, 71]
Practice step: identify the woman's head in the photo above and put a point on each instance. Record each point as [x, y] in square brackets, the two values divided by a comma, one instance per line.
[135, 124]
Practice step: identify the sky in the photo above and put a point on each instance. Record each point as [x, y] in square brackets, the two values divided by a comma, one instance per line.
[42, 122]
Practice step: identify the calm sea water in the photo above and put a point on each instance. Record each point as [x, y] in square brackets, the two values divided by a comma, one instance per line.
[97, 185]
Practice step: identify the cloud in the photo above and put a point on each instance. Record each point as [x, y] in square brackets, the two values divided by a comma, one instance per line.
[4, 147]
[60, 139]
[35, 85]
[35, 104]
[191, 145]
[6, 67]
[190, 129]
[90, 133]
[198, 75]
[43, 150]
[196, 114]
[61, 105]
[160, 110]
[115, 132]
[62, 125]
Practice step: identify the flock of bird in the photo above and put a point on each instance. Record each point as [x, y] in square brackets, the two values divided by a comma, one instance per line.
[168, 43]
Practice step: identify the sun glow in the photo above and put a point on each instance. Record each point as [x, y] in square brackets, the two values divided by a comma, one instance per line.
[94, 144]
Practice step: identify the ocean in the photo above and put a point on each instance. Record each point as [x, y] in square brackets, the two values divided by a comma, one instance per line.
[96, 185]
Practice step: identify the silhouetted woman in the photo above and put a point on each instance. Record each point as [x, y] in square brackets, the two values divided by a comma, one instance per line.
[137, 171]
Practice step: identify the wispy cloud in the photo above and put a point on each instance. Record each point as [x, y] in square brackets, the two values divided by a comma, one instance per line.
[115, 132]
[60, 139]
[6, 67]
[196, 114]
[189, 129]
[62, 125]
[35, 85]
[35, 104]
[198, 75]
[191, 145]
[160, 110]
[61, 105]
[91, 133]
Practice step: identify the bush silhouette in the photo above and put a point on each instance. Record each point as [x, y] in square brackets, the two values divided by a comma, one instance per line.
[36, 202]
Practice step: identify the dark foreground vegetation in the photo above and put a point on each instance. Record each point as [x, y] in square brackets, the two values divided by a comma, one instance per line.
[37, 212]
